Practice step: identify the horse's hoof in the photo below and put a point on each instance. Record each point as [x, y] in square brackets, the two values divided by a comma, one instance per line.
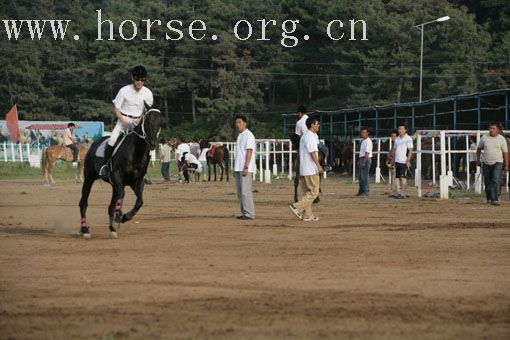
[113, 234]
[86, 236]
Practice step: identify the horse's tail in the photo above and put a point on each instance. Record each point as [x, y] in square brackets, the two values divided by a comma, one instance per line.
[43, 161]
[226, 158]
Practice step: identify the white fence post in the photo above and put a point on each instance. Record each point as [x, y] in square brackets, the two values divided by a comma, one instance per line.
[417, 171]
[354, 161]
[267, 173]
[275, 166]
[261, 150]
[444, 182]
[378, 167]
[290, 161]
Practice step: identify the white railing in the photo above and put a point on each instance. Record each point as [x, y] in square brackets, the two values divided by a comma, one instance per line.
[17, 152]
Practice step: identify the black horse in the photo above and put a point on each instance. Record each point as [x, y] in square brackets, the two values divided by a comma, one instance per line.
[322, 154]
[128, 167]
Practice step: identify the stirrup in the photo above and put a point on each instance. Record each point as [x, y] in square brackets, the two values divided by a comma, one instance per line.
[105, 170]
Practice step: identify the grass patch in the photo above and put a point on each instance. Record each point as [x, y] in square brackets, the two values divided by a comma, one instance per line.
[62, 170]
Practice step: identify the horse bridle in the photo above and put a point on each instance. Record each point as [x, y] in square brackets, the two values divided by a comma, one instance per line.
[142, 121]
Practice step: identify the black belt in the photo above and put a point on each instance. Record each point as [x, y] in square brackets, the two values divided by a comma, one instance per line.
[129, 116]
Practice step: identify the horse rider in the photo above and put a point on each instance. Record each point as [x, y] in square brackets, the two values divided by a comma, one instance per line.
[301, 129]
[129, 105]
[70, 142]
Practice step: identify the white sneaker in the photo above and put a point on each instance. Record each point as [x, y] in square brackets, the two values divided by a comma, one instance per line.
[311, 219]
[296, 211]
[75, 164]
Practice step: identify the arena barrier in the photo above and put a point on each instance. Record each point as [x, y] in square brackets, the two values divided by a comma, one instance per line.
[18, 152]
[273, 157]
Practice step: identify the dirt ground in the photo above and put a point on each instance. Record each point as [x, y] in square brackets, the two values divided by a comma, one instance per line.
[186, 268]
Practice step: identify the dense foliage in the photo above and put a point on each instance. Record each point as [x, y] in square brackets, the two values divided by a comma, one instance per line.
[201, 85]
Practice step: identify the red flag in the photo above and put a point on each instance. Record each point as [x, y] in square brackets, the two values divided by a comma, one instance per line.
[11, 120]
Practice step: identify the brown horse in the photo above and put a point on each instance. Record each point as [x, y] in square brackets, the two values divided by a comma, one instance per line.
[218, 154]
[55, 152]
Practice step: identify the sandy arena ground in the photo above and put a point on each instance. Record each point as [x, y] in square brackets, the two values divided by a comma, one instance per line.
[186, 268]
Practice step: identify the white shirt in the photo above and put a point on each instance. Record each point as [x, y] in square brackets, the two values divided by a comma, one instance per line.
[131, 102]
[301, 125]
[181, 149]
[401, 147]
[193, 160]
[245, 141]
[309, 142]
[203, 154]
[472, 152]
[366, 147]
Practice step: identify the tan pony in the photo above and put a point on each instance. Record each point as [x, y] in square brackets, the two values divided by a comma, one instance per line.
[55, 152]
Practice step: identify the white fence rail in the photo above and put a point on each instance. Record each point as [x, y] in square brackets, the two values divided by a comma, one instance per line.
[17, 152]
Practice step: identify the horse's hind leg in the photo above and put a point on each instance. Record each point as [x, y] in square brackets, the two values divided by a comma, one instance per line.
[221, 167]
[215, 172]
[138, 189]
[85, 192]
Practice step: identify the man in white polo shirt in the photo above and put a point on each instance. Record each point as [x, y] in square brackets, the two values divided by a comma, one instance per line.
[182, 147]
[364, 163]
[495, 159]
[244, 167]
[403, 154]
[129, 105]
[309, 170]
[301, 123]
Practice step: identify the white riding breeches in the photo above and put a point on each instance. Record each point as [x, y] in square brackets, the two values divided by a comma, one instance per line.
[120, 127]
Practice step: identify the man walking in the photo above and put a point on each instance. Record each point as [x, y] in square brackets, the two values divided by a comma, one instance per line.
[244, 167]
[364, 163]
[403, 154]
[495, 159]
[309, 170]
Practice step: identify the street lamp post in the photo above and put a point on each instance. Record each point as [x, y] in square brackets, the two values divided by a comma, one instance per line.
[421, 27]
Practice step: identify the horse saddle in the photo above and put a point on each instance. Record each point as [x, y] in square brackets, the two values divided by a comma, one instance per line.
[101, 148]
[70, 155]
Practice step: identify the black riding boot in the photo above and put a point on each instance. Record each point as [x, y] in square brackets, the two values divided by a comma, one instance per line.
[105, 169]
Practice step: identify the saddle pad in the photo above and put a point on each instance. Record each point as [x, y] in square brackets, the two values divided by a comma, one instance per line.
[101, 148]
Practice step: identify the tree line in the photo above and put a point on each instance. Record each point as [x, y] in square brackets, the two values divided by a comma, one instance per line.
[201, 85]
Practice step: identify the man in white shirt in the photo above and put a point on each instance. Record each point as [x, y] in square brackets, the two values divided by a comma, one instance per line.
[129, 105]
[244, 167]
[495, 160]
[181, 148]
[190, 162]
[301, 123]
[403, 154]
[309, 170]
[364, 163]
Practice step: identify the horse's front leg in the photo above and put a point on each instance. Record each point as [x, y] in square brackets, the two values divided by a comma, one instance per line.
[138, 189]
[85, 192]
[115, 208]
